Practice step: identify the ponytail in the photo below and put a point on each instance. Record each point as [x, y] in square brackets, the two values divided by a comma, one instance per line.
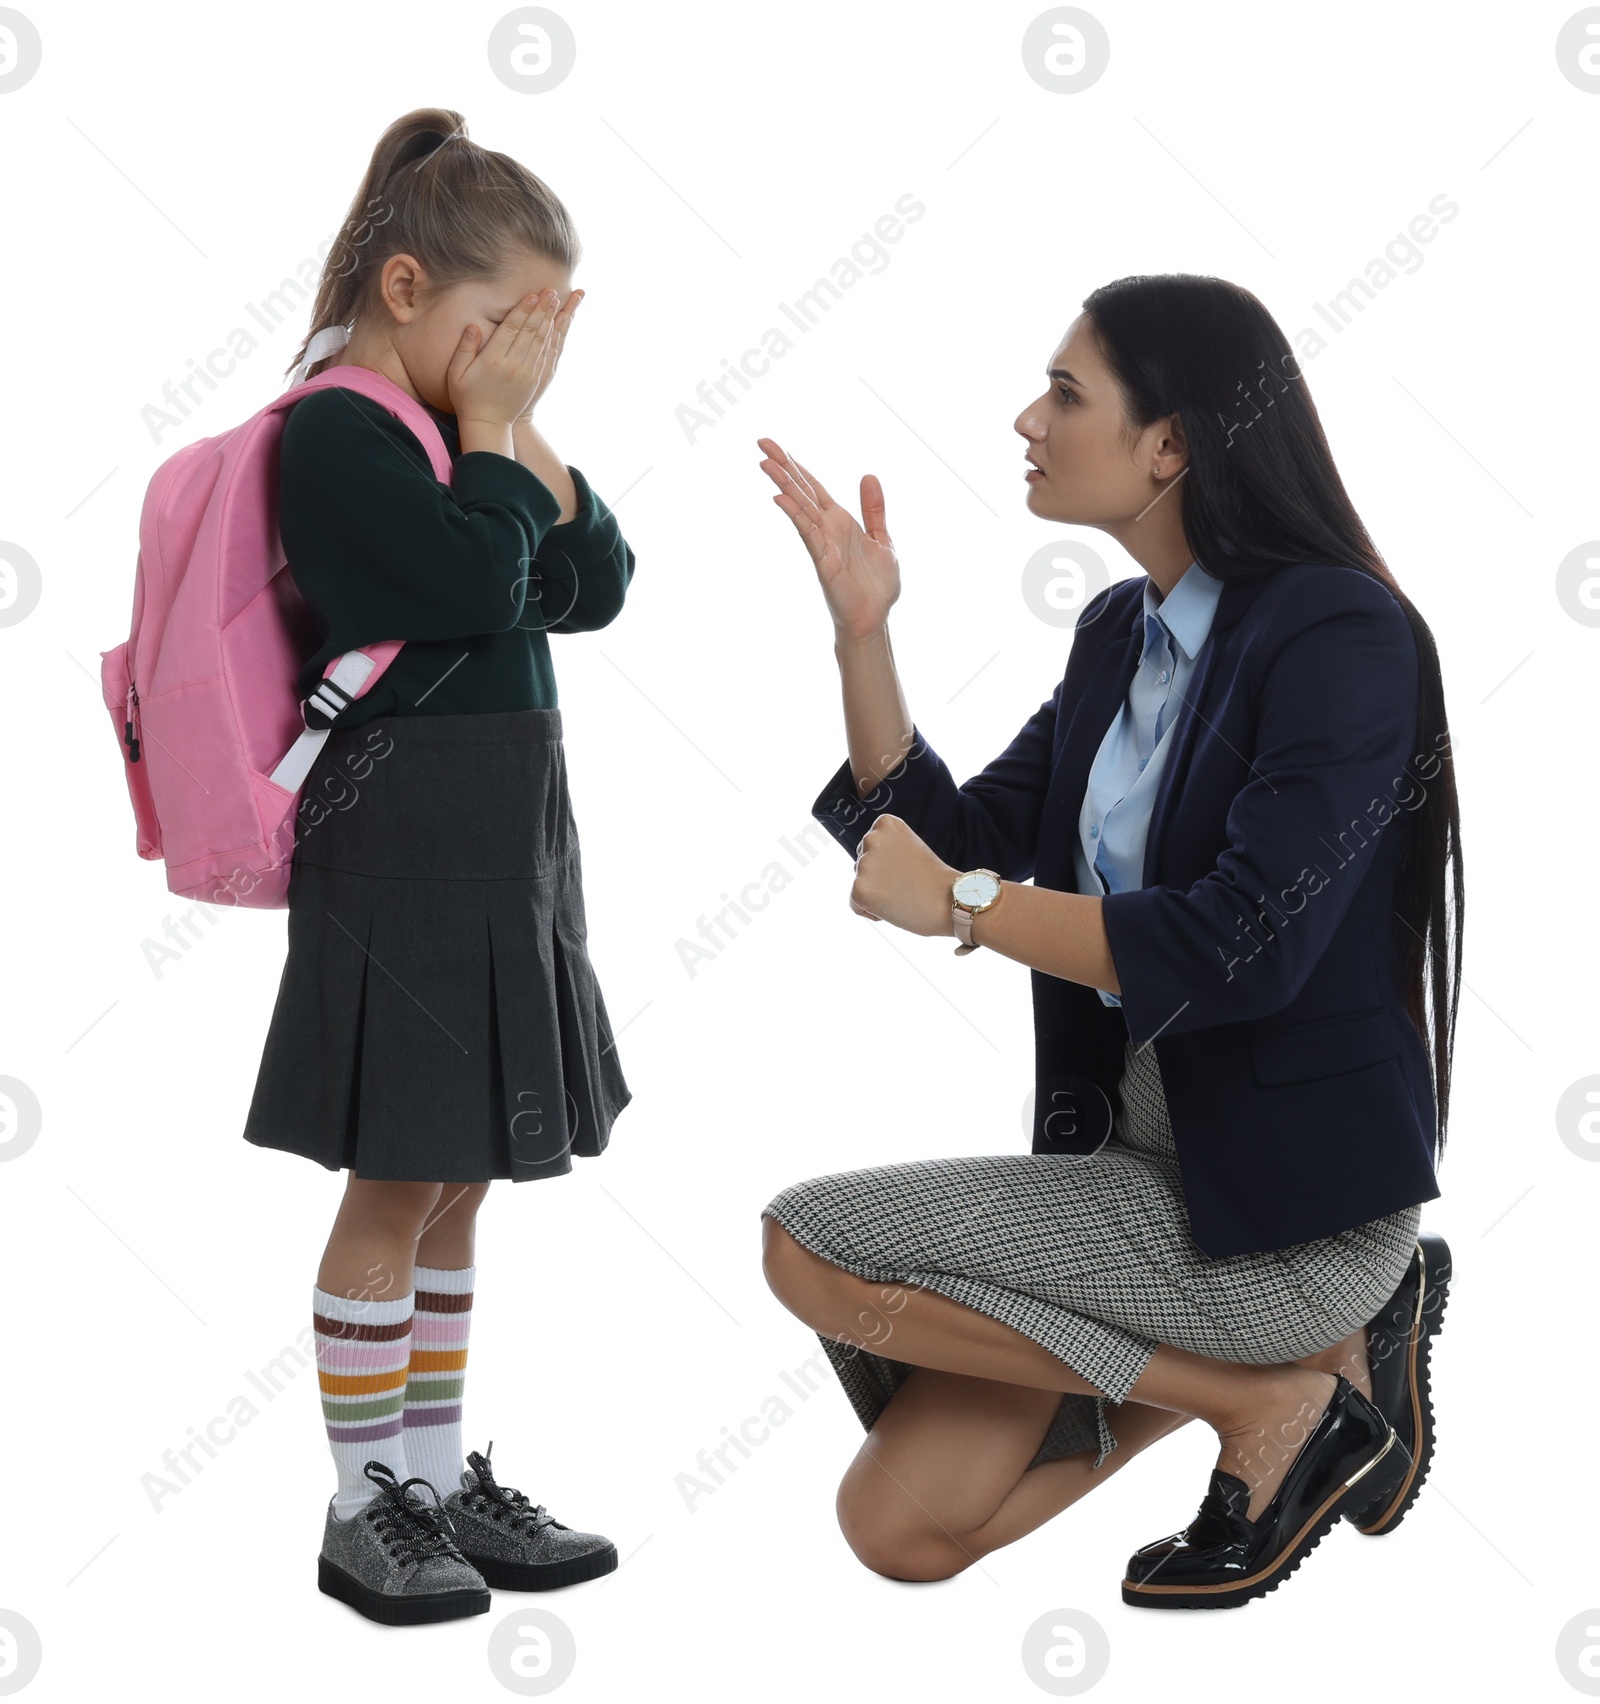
[460, 210]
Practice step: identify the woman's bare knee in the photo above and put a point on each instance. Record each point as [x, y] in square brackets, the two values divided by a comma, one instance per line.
[890, 1535]
[804, 1282]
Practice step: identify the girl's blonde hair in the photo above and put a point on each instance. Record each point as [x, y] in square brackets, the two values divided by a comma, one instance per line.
[460, 209]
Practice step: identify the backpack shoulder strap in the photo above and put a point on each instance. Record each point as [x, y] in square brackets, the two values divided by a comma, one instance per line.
[350, 676]
[346, 680]
[384, 390]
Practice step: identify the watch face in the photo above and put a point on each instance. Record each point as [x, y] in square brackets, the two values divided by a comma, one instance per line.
[975, 888]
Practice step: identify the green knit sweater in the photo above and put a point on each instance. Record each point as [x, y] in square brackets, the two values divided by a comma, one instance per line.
[472, 575]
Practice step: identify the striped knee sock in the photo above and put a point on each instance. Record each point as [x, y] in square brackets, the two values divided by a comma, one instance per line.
[438, 1371]
[363, 1354]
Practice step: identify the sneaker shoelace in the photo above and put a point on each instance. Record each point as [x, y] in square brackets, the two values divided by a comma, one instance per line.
[410, 1529]
[502, 1501]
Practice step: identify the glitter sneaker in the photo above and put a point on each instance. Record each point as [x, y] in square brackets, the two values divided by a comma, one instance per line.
[517, 1545]
[396, 1561]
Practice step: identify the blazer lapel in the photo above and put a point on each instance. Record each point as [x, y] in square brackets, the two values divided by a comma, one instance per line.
[1092, 714]
[1235, 598]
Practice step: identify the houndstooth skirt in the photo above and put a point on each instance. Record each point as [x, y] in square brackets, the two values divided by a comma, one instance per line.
[1091, 1256]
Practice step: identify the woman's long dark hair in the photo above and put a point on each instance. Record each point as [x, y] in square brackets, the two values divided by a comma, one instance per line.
[1262, 493]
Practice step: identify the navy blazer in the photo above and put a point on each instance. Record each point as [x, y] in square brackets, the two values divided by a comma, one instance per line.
[1261, 955]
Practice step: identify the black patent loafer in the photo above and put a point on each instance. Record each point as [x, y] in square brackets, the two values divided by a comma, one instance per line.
[1398, 1343]
[1222, 1558]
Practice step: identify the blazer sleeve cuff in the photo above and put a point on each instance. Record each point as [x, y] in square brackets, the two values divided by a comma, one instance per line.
[1134, 932]
[906, 791]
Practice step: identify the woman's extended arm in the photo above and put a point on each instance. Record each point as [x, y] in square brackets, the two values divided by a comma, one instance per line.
[1062, 934]
[900, 879]
[860, 580]
[877, 725]
[992, 819]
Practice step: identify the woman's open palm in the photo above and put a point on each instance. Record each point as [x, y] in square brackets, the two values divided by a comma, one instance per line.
[856, 566]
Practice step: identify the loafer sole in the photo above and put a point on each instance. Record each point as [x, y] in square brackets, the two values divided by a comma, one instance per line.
[544, 1576]
[1384, 1514]
[406, 1610]
[1387, 1467]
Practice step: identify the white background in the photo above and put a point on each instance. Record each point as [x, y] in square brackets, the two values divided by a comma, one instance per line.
[166, 167]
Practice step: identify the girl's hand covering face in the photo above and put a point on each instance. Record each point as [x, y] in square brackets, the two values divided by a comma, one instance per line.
[499, 380]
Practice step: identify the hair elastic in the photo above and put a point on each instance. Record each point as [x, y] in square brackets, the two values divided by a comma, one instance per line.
[326, 342]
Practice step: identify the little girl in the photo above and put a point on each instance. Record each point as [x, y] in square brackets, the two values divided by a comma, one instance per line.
[438, 1023]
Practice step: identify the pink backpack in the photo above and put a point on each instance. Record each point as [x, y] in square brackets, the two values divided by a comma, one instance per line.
[216, 745]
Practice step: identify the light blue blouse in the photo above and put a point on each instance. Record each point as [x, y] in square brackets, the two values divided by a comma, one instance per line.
[1115, 819]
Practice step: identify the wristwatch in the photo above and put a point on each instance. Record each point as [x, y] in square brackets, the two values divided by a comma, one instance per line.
[977, 890]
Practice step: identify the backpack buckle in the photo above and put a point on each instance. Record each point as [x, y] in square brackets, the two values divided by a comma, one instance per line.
[324, 707]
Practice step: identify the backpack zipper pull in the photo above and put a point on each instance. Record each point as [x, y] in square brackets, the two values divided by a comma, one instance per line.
[129, 736]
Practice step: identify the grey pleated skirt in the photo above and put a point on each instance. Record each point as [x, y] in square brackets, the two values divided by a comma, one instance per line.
[1089, 1255]
[438, 1019]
